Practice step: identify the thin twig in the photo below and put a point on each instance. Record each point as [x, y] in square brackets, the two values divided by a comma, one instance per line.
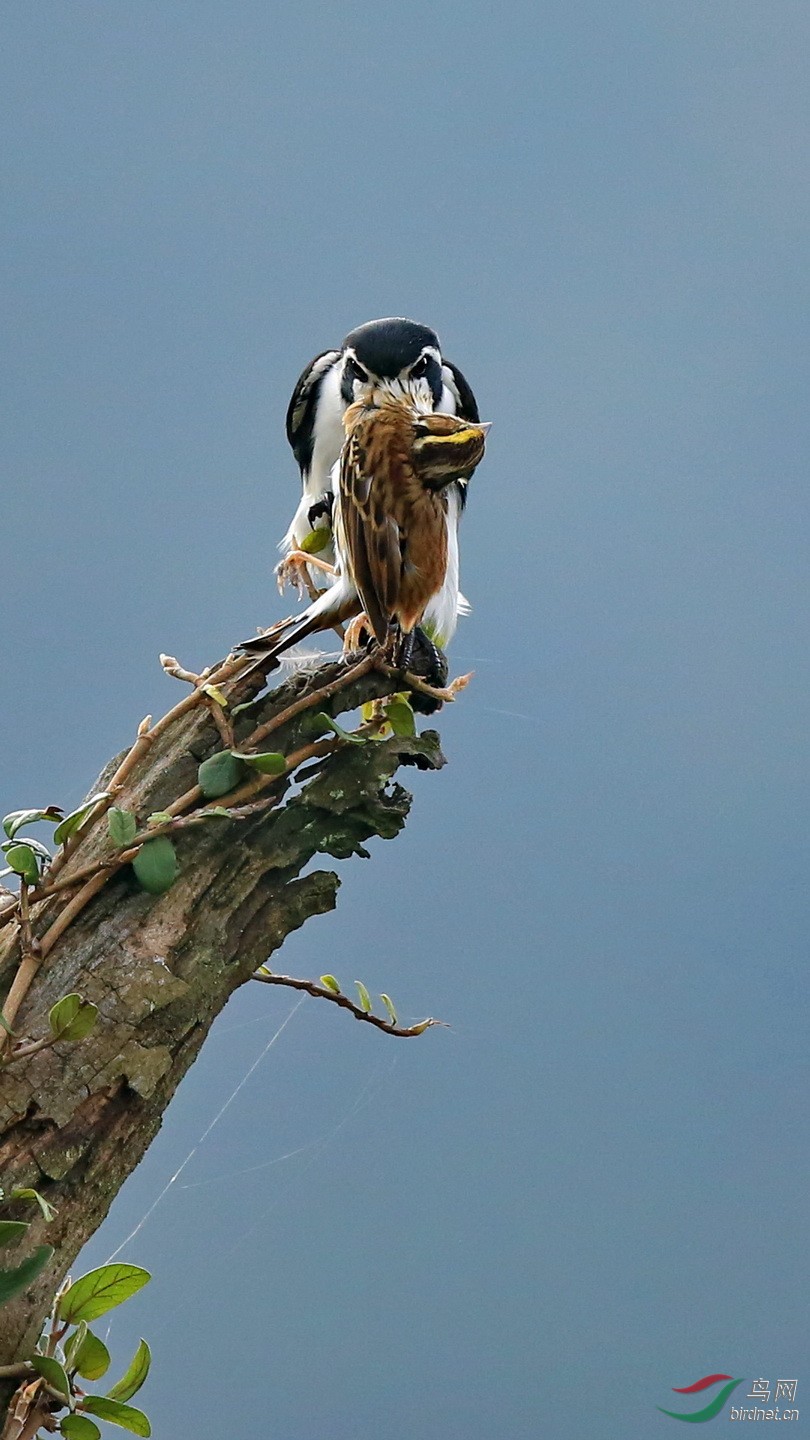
[222, 722]
[76, 877]
[9, 910]
[31, 953]
[413, 682]
[310, 700]
[25, 1412]
[173, 667]
[28, 945]
[144, 739]
[322, 993]
[75, 907]
[22, 1052]
[261, 782]
[128, 852]
[16, 1372]
[30, 963]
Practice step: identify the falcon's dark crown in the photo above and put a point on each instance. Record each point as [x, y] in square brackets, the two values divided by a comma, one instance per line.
[387, 347]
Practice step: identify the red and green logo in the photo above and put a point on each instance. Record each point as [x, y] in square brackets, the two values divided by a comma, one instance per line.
[695, 1417]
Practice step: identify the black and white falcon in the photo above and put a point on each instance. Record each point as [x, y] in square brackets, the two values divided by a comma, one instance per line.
[398, 357]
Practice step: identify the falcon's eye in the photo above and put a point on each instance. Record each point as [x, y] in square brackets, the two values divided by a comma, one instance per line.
[420, 368]
[355, 371]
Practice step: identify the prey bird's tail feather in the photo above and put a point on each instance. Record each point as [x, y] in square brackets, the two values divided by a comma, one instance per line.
[338, 603]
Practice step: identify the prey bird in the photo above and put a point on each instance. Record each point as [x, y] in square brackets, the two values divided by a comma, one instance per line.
[389, 357]
[392, 523]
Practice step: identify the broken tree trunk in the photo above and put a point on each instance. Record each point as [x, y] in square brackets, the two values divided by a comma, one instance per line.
[75, 1119]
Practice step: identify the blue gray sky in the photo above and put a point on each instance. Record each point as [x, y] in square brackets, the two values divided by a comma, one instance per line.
[593, 1188]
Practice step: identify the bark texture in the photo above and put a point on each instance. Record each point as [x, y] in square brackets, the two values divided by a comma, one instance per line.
[76, 1119]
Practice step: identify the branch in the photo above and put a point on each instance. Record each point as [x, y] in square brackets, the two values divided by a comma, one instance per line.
[75, 1118]
[95, 875]
[323, 992]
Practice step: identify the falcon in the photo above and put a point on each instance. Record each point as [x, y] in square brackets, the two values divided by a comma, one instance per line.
[393, 523]
[394, 357]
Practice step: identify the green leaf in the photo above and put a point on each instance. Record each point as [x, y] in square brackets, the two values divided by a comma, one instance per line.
[247, 705]
[18, 818]
[389, 1005]
[316, 540]
[400, 717]
[36, 845]
[365, 998]
[74, 1343]
[124, 1415]
[26, 1193]
[79, 1427]
[216, 694]
[219, 774]
[159, 817]
[71, 1018]
[423, 1026]
[270, 763]
[23, 862]
[53, 1372]
[314, 723]
[92, 1358]
[134, 1375]
[12, 1282]
[215, 812]
[122, 825]
[76, 818]
[12, 1230]
[328, 723]
[330, 983]
[85, 1022]
[156, 865]
[101, 1290]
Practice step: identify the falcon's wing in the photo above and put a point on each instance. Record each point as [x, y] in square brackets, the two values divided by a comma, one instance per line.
[466, 403]
[301, 409]
[372, 538]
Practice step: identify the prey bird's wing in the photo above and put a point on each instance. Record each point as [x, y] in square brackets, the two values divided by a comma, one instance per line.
[372, 536]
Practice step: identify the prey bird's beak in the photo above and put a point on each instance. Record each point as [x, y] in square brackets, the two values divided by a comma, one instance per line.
[485, 425]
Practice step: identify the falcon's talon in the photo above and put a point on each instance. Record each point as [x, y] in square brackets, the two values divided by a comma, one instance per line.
[353, 639]
[294, 570]
[322, 509]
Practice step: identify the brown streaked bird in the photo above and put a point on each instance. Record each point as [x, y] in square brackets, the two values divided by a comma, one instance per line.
[390, 522]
